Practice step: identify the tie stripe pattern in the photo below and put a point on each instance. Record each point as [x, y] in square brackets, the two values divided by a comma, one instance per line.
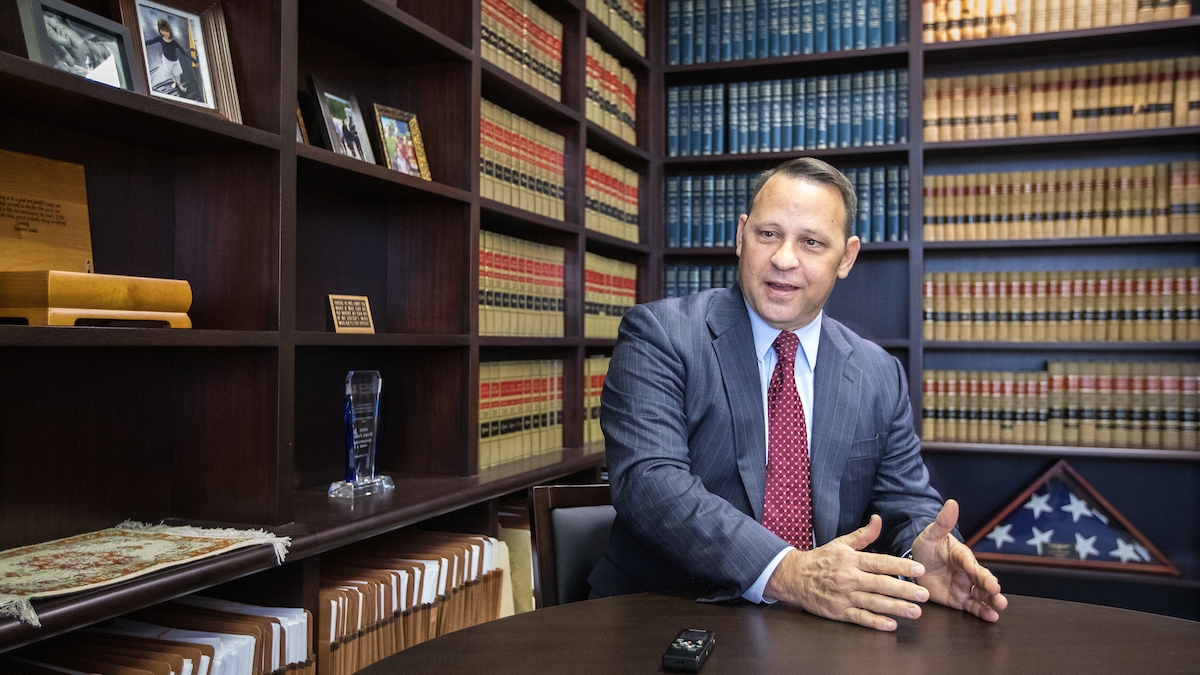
[787, 508]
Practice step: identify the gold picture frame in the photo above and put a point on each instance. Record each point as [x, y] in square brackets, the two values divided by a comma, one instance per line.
[400, 145]
[199, 76]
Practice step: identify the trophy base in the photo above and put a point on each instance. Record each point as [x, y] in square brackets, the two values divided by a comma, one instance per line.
[347, 490]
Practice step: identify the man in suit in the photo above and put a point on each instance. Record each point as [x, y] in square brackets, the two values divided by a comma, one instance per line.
[719, 485]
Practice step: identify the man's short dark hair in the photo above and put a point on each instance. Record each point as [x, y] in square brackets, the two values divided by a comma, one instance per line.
[816, 171]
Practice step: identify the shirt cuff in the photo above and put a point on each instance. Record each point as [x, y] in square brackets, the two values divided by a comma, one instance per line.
[755, 592]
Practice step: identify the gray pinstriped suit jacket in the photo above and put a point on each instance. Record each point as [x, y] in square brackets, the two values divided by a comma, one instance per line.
[682, 414]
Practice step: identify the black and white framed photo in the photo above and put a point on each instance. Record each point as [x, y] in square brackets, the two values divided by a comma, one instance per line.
[63, 36]
[183, 49]
[343, 129]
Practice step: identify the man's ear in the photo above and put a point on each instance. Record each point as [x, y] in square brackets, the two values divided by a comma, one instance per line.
[853, 245]
[741, 227]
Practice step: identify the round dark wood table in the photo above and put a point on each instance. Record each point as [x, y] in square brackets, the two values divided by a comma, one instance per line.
[629, 634]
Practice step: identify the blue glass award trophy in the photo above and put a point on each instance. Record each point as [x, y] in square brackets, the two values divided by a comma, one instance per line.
[362, 423]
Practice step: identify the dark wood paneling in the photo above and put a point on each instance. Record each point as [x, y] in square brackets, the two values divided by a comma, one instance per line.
[436, 93]
[84, 442]
[429, 275]
[254, 46]
[873, 299]
[455, 20]
[225, 457]
[227, 238]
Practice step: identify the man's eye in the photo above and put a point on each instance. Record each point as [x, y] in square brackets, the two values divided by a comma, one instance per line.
[812, 242]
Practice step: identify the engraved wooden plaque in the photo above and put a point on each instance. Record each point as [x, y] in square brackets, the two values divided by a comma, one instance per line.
[350, 314]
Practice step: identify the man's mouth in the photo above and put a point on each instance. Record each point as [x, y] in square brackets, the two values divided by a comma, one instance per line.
[781, 287]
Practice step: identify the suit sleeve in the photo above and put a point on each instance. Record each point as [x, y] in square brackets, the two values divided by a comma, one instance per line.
[655, 493]
[901, 493]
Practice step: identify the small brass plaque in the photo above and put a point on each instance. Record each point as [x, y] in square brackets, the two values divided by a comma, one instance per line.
[350, 314]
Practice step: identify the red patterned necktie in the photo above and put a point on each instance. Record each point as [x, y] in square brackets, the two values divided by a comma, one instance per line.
[787, 509]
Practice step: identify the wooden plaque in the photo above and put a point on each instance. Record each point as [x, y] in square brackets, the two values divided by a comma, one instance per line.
[350, 314]
[43, 215]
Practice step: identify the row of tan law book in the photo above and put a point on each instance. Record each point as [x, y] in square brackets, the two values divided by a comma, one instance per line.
[1083, 99]
[1155, 199]
[1091, 404]
[520, 287]
[192, 635]
[520, 163]
[610, 197]
[609, 290]
[400, 589]
[525, 42]
[954, 20]
[595, 369]
[1137, 305]
[520, 410]
[611, 93]
[626, 18]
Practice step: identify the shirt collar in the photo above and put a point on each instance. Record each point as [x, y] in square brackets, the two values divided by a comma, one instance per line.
[764, 337]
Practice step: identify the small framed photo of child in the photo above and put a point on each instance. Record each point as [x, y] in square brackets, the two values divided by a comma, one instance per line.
[400, 141]
[343, 129]
[65, 37]
[184, 51]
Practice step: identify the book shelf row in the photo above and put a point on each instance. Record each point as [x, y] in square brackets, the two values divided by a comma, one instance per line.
[611, 93]
[610, 290]
[520, 410]
[1146, 305]
[850, 110]
[1111, 96]
[525, 42]
[712, 31]
[1143, 404]
[954, 20]
[520, 163]
[1158, 199]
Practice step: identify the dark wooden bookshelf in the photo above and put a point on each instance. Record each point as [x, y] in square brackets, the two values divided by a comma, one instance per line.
[1131, 347]
[1064, 243]
[607, 143]
[1127, 139]
[513, 95]
[760, 161]
[775, 67]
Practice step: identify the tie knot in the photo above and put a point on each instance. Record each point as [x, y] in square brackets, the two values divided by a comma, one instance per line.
[785, 346]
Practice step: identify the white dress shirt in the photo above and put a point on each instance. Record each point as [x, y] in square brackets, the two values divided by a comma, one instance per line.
[805, 365]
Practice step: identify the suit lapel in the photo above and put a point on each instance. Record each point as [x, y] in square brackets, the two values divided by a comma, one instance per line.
[733, 342]
[836, 385]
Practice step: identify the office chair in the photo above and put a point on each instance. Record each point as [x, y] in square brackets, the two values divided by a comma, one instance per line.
[570, 526]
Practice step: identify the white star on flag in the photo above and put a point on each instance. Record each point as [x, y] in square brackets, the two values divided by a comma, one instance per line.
[1001, 536]
[1142, 551]
[1084, 547]
[1040, 538]
[1125, 552]
[1039, 504]
[1077, 508]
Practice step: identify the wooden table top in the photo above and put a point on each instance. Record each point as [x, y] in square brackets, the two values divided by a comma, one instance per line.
[629, 634]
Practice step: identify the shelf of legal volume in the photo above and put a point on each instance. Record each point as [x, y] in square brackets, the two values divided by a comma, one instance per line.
[59, 98]
[379, 30]
[602, 242]
[523, 341]
[319, 339]
[512, 219]
[97, 336]
[888, 57]
[608, 143]
[1109, 140]
[329, 170]
[1069, 242]
[516, 96]
[332, 523]
[955, 447]
[1063, 346]
[613, 44]
[895, 152]
[1064, 42]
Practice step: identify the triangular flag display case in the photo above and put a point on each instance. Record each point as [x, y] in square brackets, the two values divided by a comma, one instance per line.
[1061, 520]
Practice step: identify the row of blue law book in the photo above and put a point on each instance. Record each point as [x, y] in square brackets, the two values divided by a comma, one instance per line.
[703, 211]
[849, 110]
[684, 280]
[709, 31]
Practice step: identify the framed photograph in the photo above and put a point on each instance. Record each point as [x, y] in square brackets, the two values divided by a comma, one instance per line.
[343, 130]
[183, 49]
[63, 36]
[400, 141]
[301, 131]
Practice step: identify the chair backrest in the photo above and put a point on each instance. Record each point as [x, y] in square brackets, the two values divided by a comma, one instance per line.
[570, 526]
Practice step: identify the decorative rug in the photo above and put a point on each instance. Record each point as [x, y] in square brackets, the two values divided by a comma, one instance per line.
[97, 559]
